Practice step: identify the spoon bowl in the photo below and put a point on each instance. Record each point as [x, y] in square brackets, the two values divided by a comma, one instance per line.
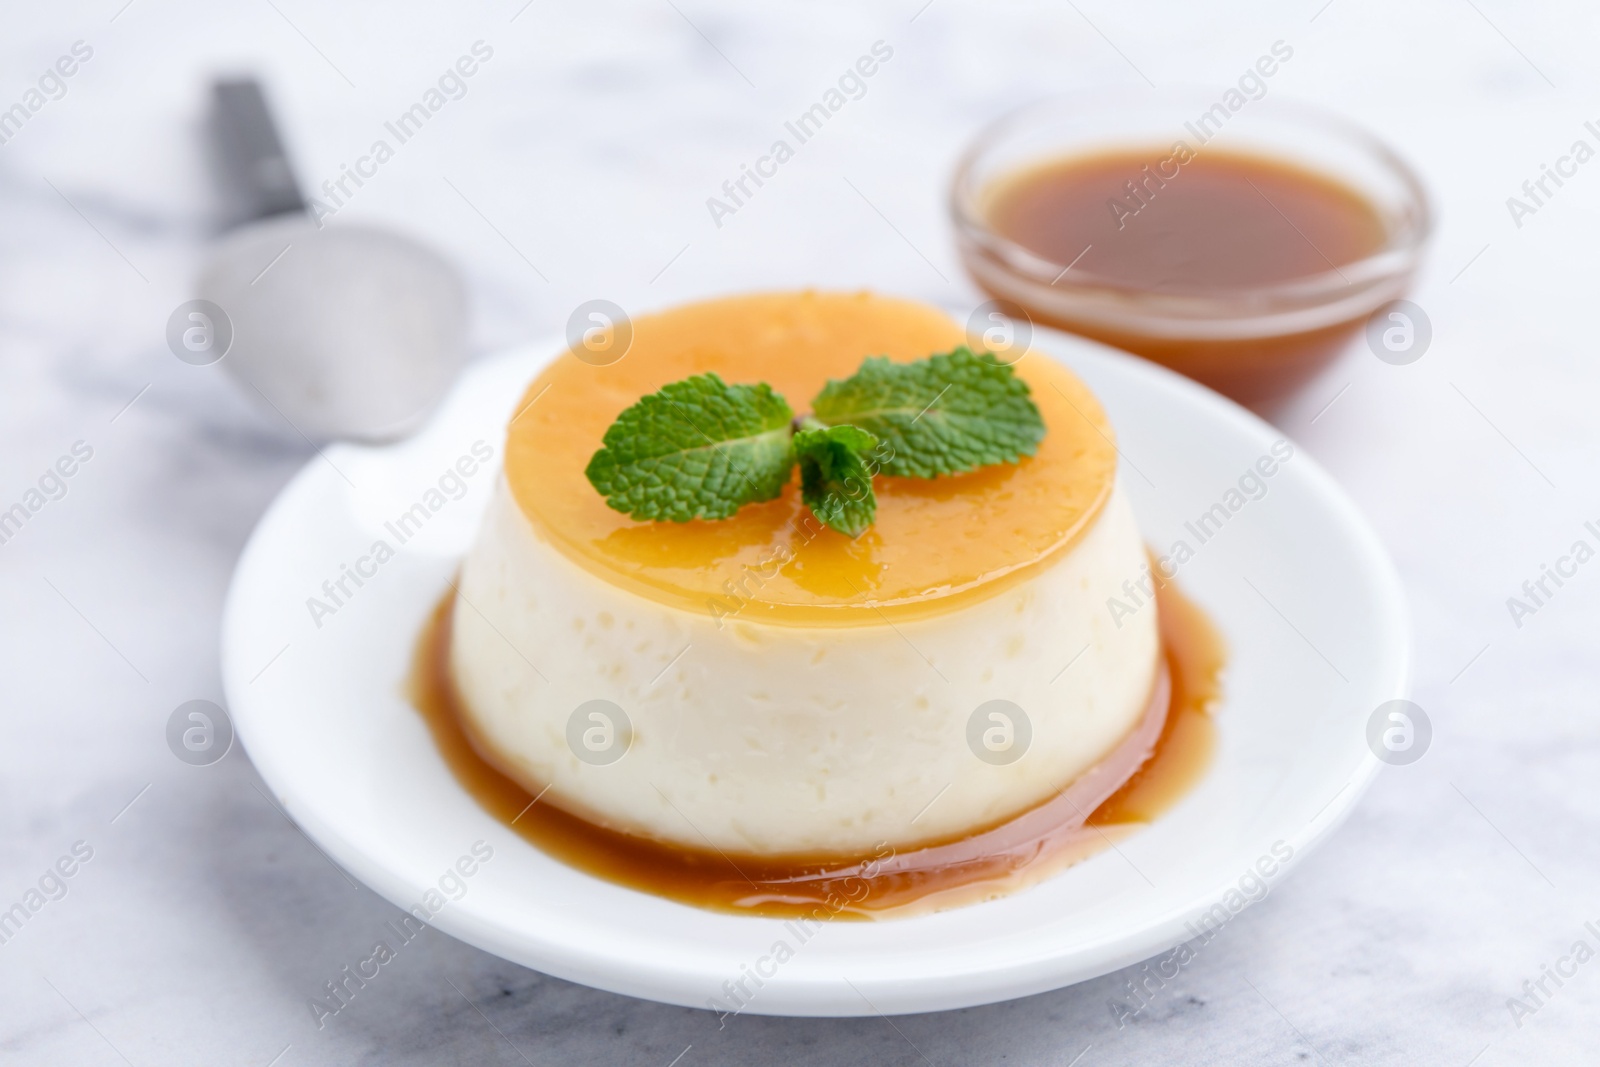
[347, 331]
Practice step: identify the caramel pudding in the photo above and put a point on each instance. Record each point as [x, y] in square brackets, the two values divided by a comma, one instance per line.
[783, 694]
[885, 883]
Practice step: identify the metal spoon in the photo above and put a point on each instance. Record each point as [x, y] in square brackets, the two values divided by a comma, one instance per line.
[346, 331]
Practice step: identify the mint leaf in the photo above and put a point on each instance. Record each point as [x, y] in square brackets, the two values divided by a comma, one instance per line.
[946, 414]
[698, 449]
[835, 480]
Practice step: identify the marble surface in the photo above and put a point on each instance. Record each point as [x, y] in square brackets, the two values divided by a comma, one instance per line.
[577, 165]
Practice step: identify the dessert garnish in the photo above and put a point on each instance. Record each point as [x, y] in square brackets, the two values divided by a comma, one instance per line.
[701, 448]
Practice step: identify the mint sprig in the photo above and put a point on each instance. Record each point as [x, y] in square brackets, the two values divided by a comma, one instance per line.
[835, 478]
[946, 414]
[702, 449]
[698, 449]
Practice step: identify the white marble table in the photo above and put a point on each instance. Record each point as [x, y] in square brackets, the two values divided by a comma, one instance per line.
[577, 165]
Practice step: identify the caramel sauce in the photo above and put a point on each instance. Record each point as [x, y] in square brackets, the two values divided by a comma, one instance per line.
[1177, 732]
[1215, 224]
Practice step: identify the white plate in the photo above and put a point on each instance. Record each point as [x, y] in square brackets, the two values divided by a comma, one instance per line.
[1310, 606]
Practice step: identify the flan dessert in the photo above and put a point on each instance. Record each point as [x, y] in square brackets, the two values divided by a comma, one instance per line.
[785, 689]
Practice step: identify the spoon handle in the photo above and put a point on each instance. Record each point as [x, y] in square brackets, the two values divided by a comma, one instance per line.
[255, 168]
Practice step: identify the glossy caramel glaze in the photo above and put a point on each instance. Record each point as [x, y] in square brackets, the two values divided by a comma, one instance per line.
[936, 543]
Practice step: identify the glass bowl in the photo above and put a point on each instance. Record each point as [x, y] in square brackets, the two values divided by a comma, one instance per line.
[1255, 343]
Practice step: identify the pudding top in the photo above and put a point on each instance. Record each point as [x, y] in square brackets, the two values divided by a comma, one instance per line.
[936, 545]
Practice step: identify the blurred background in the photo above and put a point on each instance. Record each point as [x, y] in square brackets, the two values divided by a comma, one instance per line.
[576, 165]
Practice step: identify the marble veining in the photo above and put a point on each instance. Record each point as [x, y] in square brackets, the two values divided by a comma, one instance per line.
[578, 166]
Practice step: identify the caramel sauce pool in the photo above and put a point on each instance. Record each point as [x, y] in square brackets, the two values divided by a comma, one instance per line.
[980, 865]
[1219, 222]
[1223, 220]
